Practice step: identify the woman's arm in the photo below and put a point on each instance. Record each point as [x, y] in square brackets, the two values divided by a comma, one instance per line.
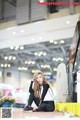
[31, 87]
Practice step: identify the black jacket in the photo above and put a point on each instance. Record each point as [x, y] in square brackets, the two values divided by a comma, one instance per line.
[46, 94]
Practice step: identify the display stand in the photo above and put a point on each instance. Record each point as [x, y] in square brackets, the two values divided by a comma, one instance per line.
[78, 85]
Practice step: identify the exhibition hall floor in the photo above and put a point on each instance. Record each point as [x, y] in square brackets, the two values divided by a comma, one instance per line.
[18, 113]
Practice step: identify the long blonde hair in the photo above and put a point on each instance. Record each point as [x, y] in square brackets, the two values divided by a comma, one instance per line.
[36, 84]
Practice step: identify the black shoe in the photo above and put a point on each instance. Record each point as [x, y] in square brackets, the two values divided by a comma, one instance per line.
[27, 108]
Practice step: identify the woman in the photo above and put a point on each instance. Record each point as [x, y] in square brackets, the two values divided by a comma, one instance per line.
[41, 94]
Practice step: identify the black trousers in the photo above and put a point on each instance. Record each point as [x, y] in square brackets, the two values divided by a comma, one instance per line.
[33, 98]
[46, 106]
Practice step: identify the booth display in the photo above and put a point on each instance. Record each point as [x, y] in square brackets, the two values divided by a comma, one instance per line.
[78, 85]
[73, 72]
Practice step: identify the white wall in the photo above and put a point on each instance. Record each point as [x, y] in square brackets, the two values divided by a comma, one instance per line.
[17, 79]
[25, 79]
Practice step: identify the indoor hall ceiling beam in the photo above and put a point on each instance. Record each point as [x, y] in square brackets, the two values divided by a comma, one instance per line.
[38, 66]
[57, 46]
[64, 53]
[42, 47]
[19, 60]
[19, 51]
[23, 57]
[29, 50]
[63, 50]
[2, 56]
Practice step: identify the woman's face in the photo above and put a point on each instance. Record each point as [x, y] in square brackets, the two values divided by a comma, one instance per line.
[40, 79]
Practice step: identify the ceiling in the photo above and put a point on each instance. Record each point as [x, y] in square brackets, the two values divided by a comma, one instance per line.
[40, 45]
[44, 56]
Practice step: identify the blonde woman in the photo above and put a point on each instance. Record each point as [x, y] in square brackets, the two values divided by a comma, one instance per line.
[41, 94]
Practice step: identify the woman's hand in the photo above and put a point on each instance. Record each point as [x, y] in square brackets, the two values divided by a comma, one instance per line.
[35, 108]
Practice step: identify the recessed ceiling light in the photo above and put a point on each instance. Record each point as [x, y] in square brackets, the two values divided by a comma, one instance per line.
[22, 31]
[54, 69]
[5, 65]
[21, 47]
[40, 38]
[41, 1]
[62, 41]
[36, 53]
[10, 57]
[14, 58]
[55, 42]
[17, 47]
[2, 65]
[51, 41]
[25, 69]
[33, 62]
[5, 57]
[54, 59]
[68, 22]
[62, 59]
[14, 33]
[19, 68]
[12, 47]
[33, 71]
[9, 65]
[32, 38]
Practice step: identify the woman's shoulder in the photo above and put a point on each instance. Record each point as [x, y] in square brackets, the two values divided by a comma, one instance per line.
[46, 85]
[31, 82]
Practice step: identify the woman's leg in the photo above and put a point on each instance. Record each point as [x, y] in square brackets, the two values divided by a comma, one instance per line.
[31, 99]
[36, 100]
[46, 106]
